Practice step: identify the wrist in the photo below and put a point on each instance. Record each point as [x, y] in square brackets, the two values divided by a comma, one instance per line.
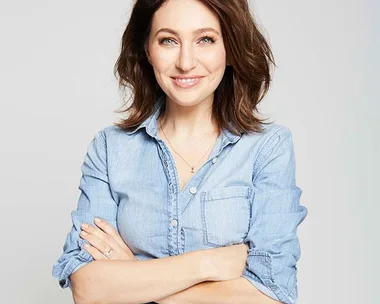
[206, 265]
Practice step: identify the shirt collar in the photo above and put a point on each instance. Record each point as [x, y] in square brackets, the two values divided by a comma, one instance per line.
[151, 120]
[151, 125]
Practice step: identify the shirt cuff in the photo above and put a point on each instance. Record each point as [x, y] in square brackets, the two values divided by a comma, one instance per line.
[62, 272]
[260, 286]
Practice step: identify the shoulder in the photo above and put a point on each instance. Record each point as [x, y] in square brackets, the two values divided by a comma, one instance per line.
[268, 136]
[275, 142]
[107, 136]
[117, 141]
[110, 133]
[111, 130]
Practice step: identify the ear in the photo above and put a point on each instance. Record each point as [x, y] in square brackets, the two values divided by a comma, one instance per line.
[147, 56]
[147, 53]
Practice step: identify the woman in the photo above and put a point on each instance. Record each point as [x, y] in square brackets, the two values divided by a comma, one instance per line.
[196, 194]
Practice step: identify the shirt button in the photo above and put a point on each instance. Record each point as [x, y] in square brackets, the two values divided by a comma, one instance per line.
[214, 160]
[193, 190]
[174, 223]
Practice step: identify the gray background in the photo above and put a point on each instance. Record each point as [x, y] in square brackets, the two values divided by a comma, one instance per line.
[58, 90]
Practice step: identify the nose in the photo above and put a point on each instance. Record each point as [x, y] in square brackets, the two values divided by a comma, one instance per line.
[186, 60]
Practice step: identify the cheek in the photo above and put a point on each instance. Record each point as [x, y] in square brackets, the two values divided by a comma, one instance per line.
[214, 60]
[159, 64]
[161, 61]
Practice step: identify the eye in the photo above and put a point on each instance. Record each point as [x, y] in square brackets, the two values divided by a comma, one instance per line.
[169, 41]
[164, 40]
[209, 39]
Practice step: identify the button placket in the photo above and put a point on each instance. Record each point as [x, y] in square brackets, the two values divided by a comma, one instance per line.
[174, 198]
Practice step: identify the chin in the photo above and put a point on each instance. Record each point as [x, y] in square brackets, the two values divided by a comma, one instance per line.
[188, 99]
[189, 102]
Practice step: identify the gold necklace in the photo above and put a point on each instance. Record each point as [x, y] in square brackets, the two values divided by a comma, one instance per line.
[192, 167]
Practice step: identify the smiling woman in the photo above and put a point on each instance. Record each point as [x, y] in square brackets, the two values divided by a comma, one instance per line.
[196, 192]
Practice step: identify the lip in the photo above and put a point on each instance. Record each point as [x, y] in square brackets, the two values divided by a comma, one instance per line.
[187, 76]
[187, 85]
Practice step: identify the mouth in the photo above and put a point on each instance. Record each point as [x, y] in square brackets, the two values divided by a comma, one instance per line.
[186, 82]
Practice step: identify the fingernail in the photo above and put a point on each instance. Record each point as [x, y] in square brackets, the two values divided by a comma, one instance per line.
[84, 226]
[98, 220]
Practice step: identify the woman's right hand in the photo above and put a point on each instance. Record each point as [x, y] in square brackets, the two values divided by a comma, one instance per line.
[228, 262]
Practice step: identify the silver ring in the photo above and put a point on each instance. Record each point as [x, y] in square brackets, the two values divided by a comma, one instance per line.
[107, 254]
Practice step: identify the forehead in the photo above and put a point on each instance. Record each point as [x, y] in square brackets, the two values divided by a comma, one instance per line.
[185, 16]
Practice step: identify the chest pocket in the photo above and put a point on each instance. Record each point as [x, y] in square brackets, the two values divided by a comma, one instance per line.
[225, 215]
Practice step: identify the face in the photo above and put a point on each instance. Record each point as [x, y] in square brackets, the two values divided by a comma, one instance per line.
[186, 42]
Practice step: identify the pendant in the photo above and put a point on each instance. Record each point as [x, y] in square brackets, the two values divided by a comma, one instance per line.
[192, 169]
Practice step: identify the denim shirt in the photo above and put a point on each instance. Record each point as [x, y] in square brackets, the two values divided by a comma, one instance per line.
[244, 193]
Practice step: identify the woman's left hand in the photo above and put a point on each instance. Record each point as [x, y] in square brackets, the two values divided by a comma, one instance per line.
[104, 239]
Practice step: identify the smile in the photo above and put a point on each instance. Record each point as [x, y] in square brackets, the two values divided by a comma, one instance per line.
[186, 82]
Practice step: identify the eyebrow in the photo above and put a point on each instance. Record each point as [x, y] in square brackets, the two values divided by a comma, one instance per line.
[198, 31]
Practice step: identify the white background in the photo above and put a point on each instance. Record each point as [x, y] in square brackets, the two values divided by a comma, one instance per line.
[57, 90]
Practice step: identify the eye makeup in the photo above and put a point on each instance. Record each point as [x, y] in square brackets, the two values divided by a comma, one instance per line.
[163, 40]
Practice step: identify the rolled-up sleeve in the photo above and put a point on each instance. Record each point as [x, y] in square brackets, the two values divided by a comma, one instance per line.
[95, 200]
[274, 247]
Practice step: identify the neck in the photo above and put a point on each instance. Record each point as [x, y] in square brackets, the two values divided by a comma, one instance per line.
[187, 122]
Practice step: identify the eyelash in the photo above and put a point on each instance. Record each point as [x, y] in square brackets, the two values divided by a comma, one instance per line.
[212, 40]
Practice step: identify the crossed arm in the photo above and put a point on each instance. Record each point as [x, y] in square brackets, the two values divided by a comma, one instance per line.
[177, 279]
[238, 291]
[194, 277]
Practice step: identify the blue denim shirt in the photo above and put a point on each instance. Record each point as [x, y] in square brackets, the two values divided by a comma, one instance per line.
[245, 193]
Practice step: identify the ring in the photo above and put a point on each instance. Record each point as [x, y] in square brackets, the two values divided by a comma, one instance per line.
[107, 254]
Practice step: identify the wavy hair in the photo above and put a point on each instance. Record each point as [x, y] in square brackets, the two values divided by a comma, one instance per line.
[245, 82]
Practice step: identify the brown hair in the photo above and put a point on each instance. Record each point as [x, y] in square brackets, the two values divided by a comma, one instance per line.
[246, 78]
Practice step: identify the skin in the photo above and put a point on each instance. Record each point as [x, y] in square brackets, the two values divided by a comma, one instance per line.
[103, 239]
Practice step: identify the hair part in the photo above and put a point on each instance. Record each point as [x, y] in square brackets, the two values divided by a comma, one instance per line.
[245, 82]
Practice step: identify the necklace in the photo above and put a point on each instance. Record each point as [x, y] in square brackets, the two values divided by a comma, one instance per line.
[191, 167]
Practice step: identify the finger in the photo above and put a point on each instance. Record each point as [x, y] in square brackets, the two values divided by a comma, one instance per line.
[95, 253]
[95, 242]
[117, 253]
[95, 231]
[110, 230]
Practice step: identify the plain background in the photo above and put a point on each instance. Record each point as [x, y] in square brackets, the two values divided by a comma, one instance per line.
[58, 90]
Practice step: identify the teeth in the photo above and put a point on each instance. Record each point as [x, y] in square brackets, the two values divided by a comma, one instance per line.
[186, 80]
